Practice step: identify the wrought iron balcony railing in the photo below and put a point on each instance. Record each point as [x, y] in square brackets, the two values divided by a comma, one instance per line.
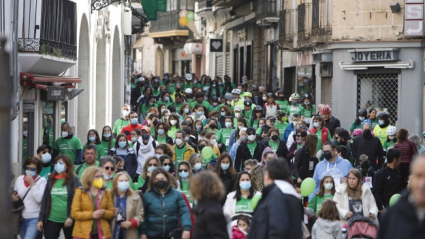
[204, 5]
[321, 17]
[304, 21]
[288, 22]
[266, 8]
[167, 21]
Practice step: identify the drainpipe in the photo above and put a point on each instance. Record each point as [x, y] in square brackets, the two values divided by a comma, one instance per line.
[15, 60]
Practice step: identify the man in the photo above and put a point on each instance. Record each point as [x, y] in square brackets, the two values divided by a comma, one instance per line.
[406, 219]
[200, 100]
[262, 90]
[369, 145]
[281, 101]
[281, 123]
[249, 164]
[264, 130]
[178, 101]
[90, 155]
[69, 145]
[182, 150]
[255, 97]
[124, 121]
[344, 138]
[134, 124]
[249, 149]
[236, 100]
[291, 127]
[248, 109]
[332, 165]
[144, 148]
[388, 180]
[329, 122]
[279, 213]
[189, 95]
[44, 154]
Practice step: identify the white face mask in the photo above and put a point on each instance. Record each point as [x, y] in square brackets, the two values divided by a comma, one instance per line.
[328, 186]
[25, 133]
[65, 134]
[251, 138]
[391, 137]
[213, 141]
[173, 122]
[264, 98]
[237, 115]
[125, 113]
[179, 141]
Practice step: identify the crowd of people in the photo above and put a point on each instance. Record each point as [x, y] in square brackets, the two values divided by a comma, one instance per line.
[148, 176]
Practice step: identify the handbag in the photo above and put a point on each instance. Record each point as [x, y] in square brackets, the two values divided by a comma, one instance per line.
[18, 206]
[174, 234]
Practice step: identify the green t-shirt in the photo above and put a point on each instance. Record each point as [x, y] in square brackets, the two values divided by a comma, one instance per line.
[244, 205]
[172, 88]
[252, 147]
[156, 92]
[218, 136]
[105, 145]
[290, 110]
[274, 145]
[283, 104]
[162, 140]
[83, 167]
[140, 182]
[204, 103]
[226, 135]
[119, 124]
[281, 126]
[248, 114]
[316, 202]
[255, 124]
[100, 151]
[109, 184]
[354, 126]
[68, 147]
[59, 203]
[184, 188]
[375, 122]
[307, 113]
[166, 103]
[144, 108]
[178, 106]
[172, 132]
[180, 154]
[388, 145]
[319, 138]
[45, 172]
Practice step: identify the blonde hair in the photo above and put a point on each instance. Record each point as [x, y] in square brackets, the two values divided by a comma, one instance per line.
[88, 176]
[145, 167]
[129, 191]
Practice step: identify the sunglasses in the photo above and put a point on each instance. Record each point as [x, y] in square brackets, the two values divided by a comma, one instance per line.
[298, 135]
[251, 133]
[223, 111]
[181, 170]
[152, 165]
[110, 168]
[272, 121]
[166, 164]
[30, 168]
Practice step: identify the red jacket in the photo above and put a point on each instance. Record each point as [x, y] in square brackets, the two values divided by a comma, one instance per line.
[127, 130]
[325, 133]
[408, 150]
[237, 234]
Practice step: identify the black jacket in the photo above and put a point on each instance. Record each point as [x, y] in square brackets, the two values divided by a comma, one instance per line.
[130, 161]
[332, 124]
[210, 221]
[282, 150]
[387, 182]
[372, 147]
[228, 183]
[47, 200]
[243, 154]
[401, 221]
[277, 216]
[304, 165]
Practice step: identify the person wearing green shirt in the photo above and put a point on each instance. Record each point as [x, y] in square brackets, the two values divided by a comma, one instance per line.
[248, 110]
[93, 138]
[173, 125]
[391, 138]
[69, 145]
[184, 174]
[307, 109]
[357, 124]
[281, 101]
[90, 155]
[161, 136]
[294, 108]
[165, 99]
[372, 117]
[178, 101]
[44, 154]
[48, 134]
[200, 100]
[155, 88]
[344, 139]
[380, 130]
[108, 164]
[227, 132]
[281, 123]
[108, 141]
[122, 122]
[147, 105]
[236, 100]
[326, 191]
[274, 142]
[212, 127]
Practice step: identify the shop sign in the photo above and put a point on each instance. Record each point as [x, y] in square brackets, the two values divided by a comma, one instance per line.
[389, 54]
[216, 45]
[414, 18]
[55, 93]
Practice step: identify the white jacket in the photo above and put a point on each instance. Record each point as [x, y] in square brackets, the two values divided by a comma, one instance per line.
[325, 229]
[145, 151]
[230, 205]
[368, 201]
[33, 199]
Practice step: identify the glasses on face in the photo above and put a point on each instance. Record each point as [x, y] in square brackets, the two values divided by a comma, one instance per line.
[251, 133]
[183, 170]
[298, 135]
[30, 168]
[166, 164]
[153, 165]
[223, 111]
[272, 121]
[110, 168]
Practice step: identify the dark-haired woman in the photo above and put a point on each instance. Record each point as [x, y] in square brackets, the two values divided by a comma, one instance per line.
[372, 117]
[305, 159]
[108, 142]
[357, 124]
[126, 152]
[239, 201]
[161, 134]
[93, 138]
[226, 172]
[55, 213]
[408, 150]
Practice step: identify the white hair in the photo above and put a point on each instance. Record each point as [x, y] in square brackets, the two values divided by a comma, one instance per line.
[242, 130]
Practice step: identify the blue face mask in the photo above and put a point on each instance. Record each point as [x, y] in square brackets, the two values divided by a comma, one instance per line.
[32, 173]
[245, 185]
[107, 135]
[134, 121]
[59, 167]
[158, 155]
[91, 139]
[184, 175]
[167, 168]
[123, 186]
[122, 144]
[200, 113]
[133, 139]
[228, 124]
[161, 132]
[167, 98]
[186, 110]
[361, 118]
[107, 177]
[220, 83]
[198, 166]
[151, 168]
[381, 122]
[46, 157]
[225, 166]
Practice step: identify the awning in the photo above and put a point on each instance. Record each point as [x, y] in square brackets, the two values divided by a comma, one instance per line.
[193, 48]
[30, 80]
[173, 33]
[352, 66]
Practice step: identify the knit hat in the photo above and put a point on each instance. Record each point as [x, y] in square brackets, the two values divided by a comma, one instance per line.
[266, 150]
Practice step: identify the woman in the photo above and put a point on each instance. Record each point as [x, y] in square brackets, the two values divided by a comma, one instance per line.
[355, 198]
[212, 139]
[323, 134]
[207, 190]
[199, 112]
[239, 201]
[242, 137]
[300, 124]
[135, 135]
[128, 208]
[168, 164]
[227, 131]
[214, 90]
[357, 124]
[93, 138]
[408, 150]
[275, 143]
[164, 149]
[305, 159]
[236, 134]
[257, 114]
[225, 171]
[199, 126]
[225, 113]
[184, 177]
[165, 99]
[149, 103]
[307, 109]
[161, 134]
[92, 207]
[195, 161]
[418, 142]
[165, 208]
[107, 164]
[55, 213]
[257, 171]
[173, 125]
[29, 188]
[151, 164]
[372, 117]
[165, 114]
[212, 127]
[299, 142]
[124, 151]
[108, 141]
[184, 110]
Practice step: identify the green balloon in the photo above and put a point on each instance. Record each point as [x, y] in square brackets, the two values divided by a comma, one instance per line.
[254, 201]
[207, 152]
[190, 16]
[307, 186]
[394, 199]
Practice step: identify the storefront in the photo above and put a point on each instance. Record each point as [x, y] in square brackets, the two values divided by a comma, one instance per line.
[182, 62]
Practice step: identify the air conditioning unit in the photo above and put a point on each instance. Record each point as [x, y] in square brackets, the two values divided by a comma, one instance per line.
[326, 70]
[323, 56]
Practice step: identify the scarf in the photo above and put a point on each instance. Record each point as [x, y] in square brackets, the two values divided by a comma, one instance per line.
[27, 184]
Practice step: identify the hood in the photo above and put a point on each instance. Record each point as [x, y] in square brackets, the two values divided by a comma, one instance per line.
[286, 188]
[140, 140]
[266, 150]
[328, 226]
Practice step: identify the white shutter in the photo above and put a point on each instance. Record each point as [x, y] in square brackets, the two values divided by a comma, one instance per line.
[228, 64]
[219, 65]
[327, 91]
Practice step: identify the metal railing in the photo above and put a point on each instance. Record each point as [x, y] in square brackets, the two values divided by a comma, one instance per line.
[288, 24]
[304, 21]
[166, 21]
[48, 27]
[321, 17]
[266, 7]
[204, 4]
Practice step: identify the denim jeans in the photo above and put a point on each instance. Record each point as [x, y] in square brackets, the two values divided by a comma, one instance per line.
[28, 228]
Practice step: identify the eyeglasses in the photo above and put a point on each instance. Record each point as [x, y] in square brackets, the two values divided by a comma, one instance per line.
[30, 168]
[251, 133]
[181, 170]
[110, 168]
[272, 121]
[298, 135]
[166, 164]
[153, 165]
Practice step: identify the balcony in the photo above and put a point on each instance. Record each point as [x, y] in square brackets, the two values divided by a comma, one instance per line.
[204, 5]
[321, 18]
[167, 29]
[304, 22]
[287, 26]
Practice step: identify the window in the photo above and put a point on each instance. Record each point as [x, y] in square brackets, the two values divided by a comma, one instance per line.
[186, 5]
[172, 5]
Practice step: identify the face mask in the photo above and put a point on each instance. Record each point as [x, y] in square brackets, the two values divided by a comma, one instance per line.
[123, 186]
[381, 122]
[107, 135]
[229, 102]
[245, 185]
[327, 155]
[167, 168]
[213, 126]
[134, 121]
[184, 174]
[179, 141]
[161, 131]
[316, 124]
[145, 136]
[328, 186]
[251, 138]
[173, 122]
[200, 113]
[275, 137]
[186, 138]
[59, 168]
[213, 141]
[64, 134]
[390, 137]
[198, 127]
[160, 184]
[220, 83]
[361, 118]
[106, 177]
[198, 166]
[125, 113]
[25, 133]
[46, 157]
[264, 98]
[306, 103]
[281, 98]
[151, 168]
[237, 115]
[240, 127]
[123, 144]
[167, 98]
[98, 183]
[186, 110]
[32, 173]
[223, 113]
[133, 139]
[294, 103]
[260, 125]
[91, 139]
[284, 119]
[225, 166]
[201, 147]
[214, 85]
[228, 124]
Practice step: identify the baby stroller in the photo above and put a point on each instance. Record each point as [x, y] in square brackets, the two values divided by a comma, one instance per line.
[361, 227]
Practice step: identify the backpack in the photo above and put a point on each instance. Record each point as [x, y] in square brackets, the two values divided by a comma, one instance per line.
[138, 147]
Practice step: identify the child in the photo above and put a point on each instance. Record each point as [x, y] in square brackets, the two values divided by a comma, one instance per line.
[391, 138]
[326, 191]
[327, 226]
[342, 152]
[368, 173]
[241, 230]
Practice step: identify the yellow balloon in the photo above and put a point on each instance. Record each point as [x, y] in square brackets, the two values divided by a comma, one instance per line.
[183, 21]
